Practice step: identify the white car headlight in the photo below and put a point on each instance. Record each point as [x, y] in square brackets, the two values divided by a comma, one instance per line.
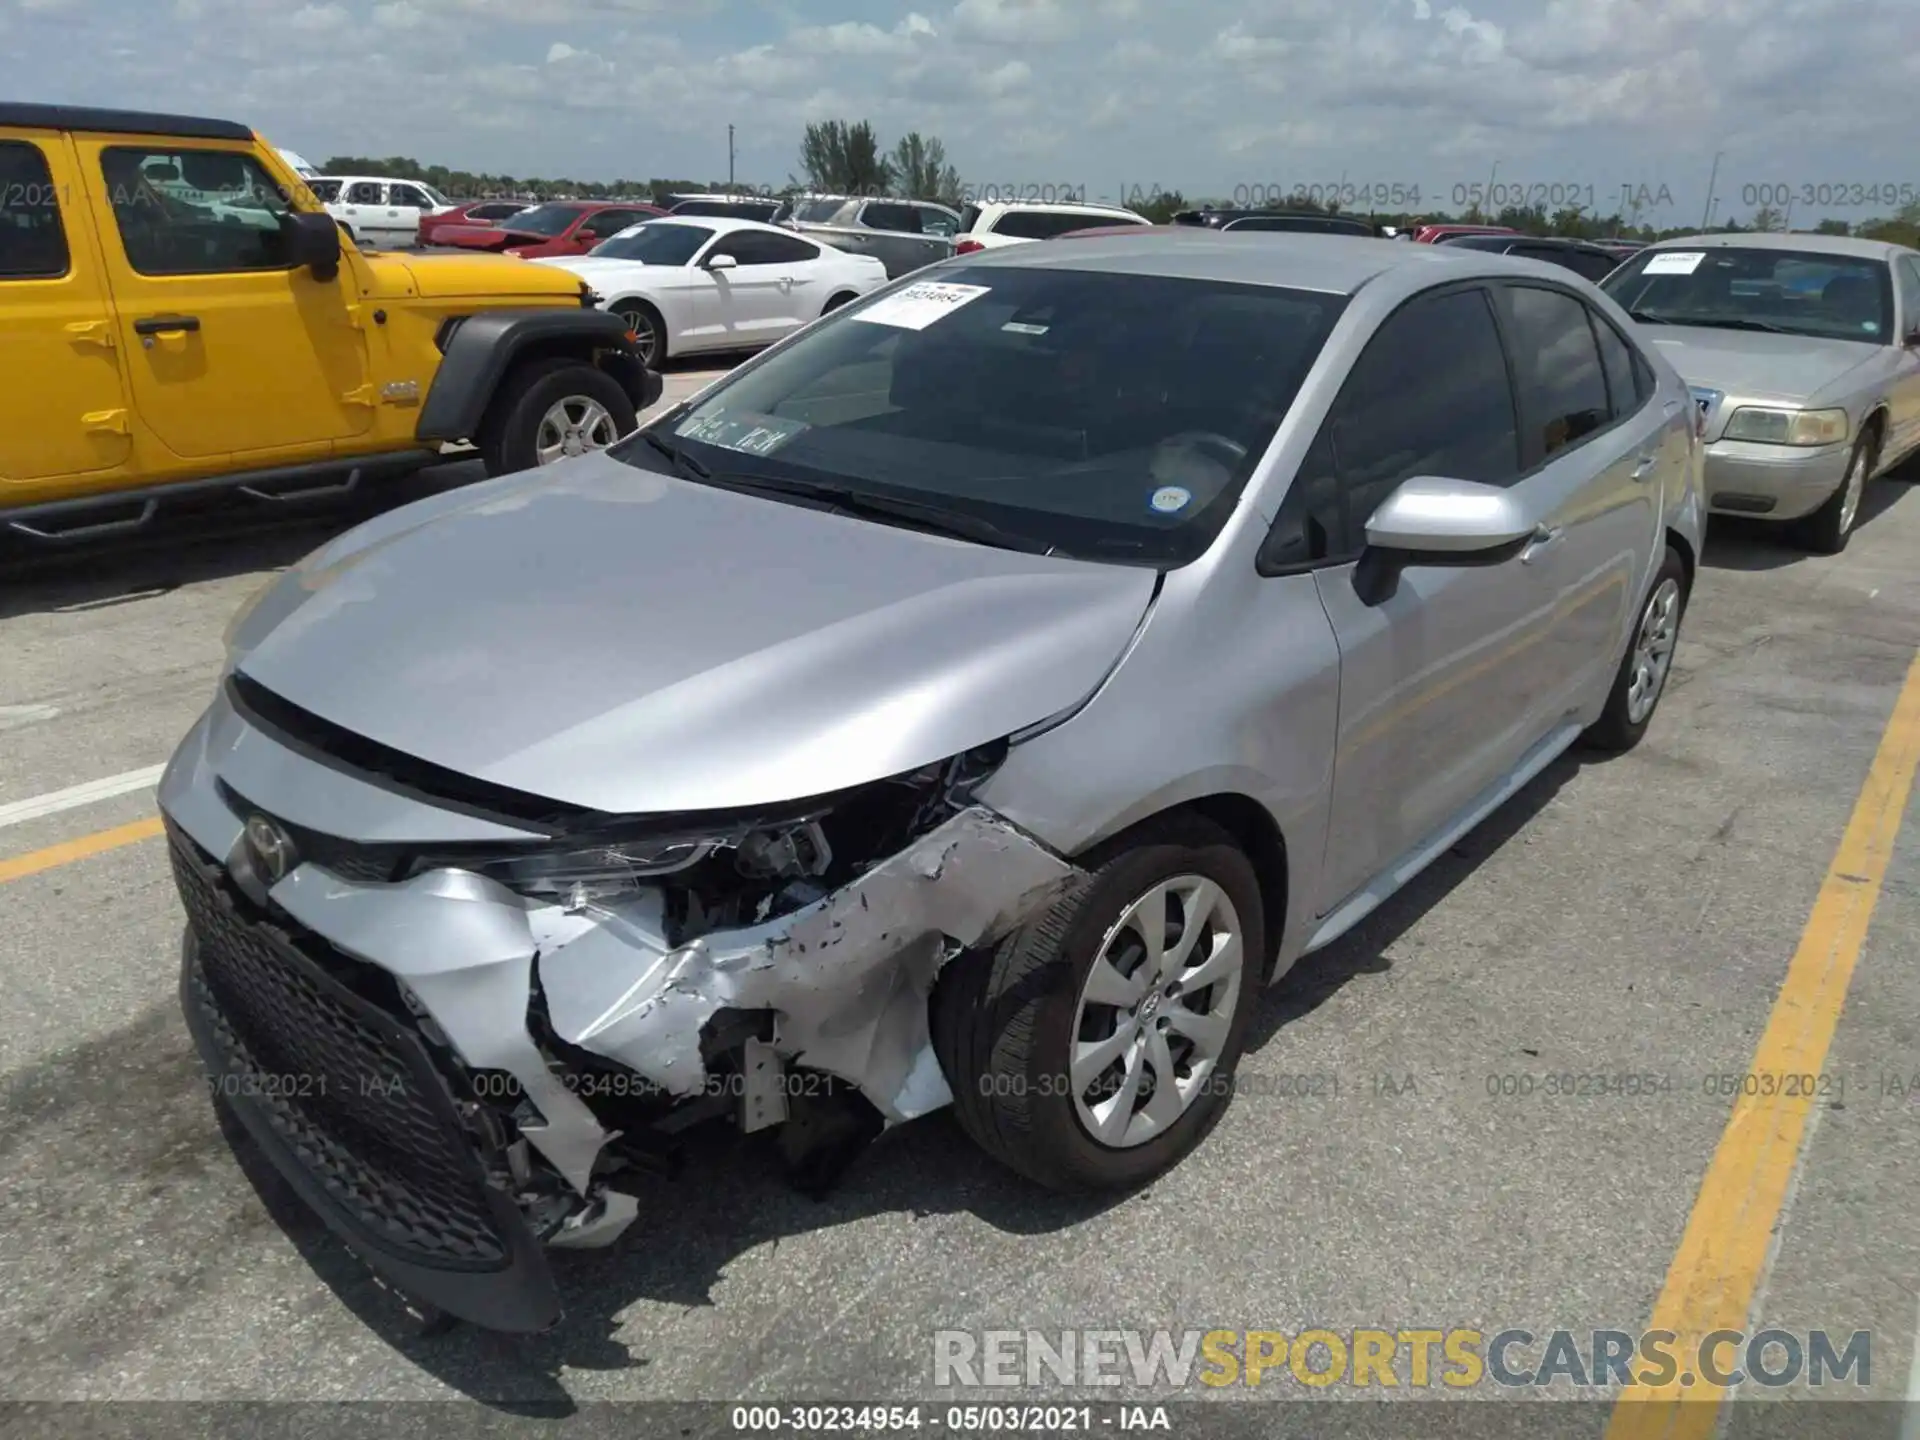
[1766, 426]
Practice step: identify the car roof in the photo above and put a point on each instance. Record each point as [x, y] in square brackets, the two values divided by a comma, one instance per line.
[1091, 207]
[721, 224]
[1807, 243]
[125, 122]
[1565, 242]
[1334, 264]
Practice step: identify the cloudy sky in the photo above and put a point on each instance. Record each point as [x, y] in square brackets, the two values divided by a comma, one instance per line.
[1218, 97]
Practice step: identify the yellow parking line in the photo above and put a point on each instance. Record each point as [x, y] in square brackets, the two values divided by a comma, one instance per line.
[35, 861]
[1729, 1235]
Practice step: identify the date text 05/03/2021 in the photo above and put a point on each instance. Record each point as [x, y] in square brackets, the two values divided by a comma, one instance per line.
[870, 1419]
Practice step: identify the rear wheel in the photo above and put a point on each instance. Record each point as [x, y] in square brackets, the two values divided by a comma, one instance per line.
[836, 302]
[1827, 530]
[649, 331]
[551, 410]
[1094, 1047]
[1642, 677]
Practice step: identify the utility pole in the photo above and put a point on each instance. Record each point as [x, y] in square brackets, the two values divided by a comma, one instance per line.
[1713, 177]
[729, 159]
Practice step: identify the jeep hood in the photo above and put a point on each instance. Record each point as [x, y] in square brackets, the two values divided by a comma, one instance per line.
[621, 640]
[497, 277]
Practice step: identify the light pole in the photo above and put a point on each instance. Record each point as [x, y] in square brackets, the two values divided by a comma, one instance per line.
[1713, 177]
[729, 159]
[1492, 175]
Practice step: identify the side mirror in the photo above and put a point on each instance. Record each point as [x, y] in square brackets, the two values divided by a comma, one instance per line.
[1434, 521]
[313, 240]
[721, 262]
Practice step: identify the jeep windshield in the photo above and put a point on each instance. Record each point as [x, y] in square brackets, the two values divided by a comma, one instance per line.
[547, 220]
[1796, 292]
[1103, 416]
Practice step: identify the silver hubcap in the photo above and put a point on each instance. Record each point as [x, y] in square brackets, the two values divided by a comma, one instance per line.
[1155, 1011]
[574, 426]
[1856, 483]
[1653, 650]
[638, 324]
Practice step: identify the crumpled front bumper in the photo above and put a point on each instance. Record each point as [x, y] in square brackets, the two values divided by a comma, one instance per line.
[847, 979]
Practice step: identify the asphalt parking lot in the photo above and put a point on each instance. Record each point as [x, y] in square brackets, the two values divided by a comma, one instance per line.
[1634, 917]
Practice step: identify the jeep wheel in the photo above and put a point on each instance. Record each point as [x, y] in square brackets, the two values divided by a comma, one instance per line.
[552, 410]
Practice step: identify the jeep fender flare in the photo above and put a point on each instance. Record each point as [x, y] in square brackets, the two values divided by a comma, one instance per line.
[482, 348]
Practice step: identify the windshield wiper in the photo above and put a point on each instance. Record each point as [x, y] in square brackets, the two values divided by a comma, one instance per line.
[1647, 317]
[1742, 323]
[679, 458]
[918, 514]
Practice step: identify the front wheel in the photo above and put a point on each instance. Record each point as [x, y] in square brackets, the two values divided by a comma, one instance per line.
[553, 410]
[1827, 530]
[1095, 1046]
[1642, 677]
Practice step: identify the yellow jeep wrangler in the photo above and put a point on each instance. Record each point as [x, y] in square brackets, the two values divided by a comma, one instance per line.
[178, 314]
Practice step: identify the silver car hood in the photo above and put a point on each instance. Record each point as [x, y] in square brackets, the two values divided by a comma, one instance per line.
[1757, 363]
[617, 639]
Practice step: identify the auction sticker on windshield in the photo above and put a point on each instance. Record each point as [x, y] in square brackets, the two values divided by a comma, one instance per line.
[920, 304]
[1675, 262]
[750, 434]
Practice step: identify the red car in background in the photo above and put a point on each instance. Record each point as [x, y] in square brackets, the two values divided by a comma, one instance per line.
[559, 227]
[1434, 234]
[469, 213]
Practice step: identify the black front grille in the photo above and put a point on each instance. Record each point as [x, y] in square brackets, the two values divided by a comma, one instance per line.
[351, 1092]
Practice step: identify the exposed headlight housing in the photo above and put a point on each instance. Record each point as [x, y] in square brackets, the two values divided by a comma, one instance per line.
[619, 869]
[1766, 426]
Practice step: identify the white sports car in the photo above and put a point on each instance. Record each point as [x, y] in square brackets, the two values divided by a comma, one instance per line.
[713, 283]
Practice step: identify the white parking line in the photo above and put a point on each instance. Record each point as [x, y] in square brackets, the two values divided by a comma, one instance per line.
[75, 796]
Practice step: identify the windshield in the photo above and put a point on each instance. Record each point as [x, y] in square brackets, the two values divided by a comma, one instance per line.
[1834, 297]
[546, 219]
[655, 242]
[1111, 417]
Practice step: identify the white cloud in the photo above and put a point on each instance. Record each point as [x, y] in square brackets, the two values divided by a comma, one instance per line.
[1207, 95]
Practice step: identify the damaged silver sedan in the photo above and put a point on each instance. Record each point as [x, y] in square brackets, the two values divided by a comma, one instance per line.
[969, 702]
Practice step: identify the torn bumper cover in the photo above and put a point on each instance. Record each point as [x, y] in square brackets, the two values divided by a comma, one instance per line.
[408, 1052]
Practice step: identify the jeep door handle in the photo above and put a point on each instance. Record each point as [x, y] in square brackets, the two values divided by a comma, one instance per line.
[166, 324]
[1645, 467]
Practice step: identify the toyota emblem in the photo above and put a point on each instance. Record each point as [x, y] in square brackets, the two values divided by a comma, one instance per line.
[270, 848]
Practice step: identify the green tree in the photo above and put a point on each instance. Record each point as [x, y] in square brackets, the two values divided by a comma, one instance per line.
[1833, 227]
[844, 159]
[921, 172]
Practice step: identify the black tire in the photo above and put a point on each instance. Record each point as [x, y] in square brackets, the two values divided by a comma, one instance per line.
[646, 323]
[508, 437]
[836, 302]
[1003, 1020]
[1827, 530]
[1616, 731]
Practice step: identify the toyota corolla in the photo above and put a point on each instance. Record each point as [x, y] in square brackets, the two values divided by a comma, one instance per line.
[970, 702]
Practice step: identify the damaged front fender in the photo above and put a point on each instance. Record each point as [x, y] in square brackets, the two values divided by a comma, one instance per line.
[847, 978]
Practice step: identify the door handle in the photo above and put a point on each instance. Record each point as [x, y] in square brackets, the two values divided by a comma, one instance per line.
[1542, 538]
[166, 324]
[1645, 467]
